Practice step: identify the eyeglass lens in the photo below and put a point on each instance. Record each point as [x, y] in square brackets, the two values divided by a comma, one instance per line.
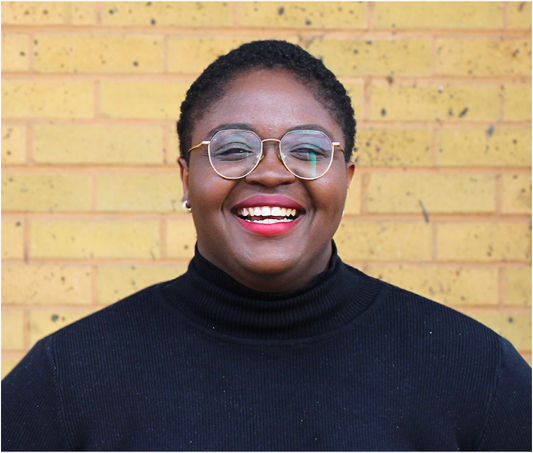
[234, 153]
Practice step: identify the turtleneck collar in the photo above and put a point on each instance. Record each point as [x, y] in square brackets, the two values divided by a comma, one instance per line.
[215, 301]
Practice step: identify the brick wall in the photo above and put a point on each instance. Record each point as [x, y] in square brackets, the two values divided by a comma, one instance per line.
[91, 196]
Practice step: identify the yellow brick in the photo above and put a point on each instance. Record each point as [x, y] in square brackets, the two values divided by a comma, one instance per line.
[376, 57]
[355, 91]
[517, 102]
[343, 15]
[8, 364]
[484, 242]
[12, 239]
[173, 151]
[193, 55]
[139, 193]
[450, 286]
[437, 193]
[439, 15]
[485, 147]
[47, 99]
[35, 192]
[519, 15]
[515, 327]
[15, 53]
[376, 241]
[98, 54]
[518, 286]
[48, 13]
[394, 147]
[13, 145]
[43, 323]
[50, 285]
[168, 14]
[484, 57]
[181, 238]
[94, 144]
[516, 194]
[353, 201]
[160, 100]
[12, 330]
[117, 282]
[458, 102]
[95, 239]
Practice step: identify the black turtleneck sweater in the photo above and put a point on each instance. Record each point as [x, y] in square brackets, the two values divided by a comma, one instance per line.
[204, 363]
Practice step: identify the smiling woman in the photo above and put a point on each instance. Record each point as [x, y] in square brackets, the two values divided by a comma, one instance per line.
[269, 341]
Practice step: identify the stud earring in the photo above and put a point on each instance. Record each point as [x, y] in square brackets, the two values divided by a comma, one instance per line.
[186, 206]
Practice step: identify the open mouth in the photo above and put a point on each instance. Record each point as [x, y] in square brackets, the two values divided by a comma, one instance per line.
[268, 214]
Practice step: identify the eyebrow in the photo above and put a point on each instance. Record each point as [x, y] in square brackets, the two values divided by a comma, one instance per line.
[250, 127]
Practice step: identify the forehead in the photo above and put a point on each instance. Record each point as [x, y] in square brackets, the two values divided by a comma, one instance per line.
[272, 101]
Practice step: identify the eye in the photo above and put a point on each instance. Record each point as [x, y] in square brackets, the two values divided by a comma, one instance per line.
[308, 152]
[232, 152]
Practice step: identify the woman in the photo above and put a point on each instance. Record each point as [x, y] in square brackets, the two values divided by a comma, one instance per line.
[269, 341]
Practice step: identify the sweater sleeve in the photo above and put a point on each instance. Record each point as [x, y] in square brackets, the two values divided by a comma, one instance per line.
[31, 409]
[508, 426]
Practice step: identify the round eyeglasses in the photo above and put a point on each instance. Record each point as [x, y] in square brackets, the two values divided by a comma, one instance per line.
[235, 153]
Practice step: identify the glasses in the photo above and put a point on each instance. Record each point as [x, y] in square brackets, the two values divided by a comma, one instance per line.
[235, 153]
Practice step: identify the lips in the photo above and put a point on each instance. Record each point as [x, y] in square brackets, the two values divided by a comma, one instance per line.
[268, 215]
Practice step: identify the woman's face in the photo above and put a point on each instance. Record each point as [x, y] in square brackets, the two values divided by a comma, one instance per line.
[266, 257]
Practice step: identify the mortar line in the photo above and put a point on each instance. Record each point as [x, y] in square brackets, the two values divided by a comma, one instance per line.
[505, 16]
[371, 15]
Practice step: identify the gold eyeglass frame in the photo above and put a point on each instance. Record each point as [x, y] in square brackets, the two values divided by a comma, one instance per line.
[261, 155]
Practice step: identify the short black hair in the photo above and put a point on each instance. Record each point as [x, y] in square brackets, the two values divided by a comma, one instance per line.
[210, 86]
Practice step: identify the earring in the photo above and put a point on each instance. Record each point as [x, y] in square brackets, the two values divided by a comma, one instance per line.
[186, 206]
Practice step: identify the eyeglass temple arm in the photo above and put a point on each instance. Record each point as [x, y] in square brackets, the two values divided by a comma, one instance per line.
[205, 142]
[334, 144]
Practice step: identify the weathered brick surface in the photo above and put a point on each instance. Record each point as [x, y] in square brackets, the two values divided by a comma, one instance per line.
[434, 193]
[117, 282]
[394, 147]
[167, 14]
[50, 285]
[98, 54]
[439, 15]
[47, 99]
[12, 330]
[181, 238]
[517, 102]
[48, 13]
[52, 192]
[45, 322]
[15, 52]
[457, 286]
[484, 57]
[12, 239]
[518, 286]
[13, 144]
[374, 57]
[441, 197]
[489, 146]
[98, 144]
[516, 197]
[139, 193]
[484, 242]
[95, 239]
[446, 102]
[303, 15]
[146, 100]
[382, 241]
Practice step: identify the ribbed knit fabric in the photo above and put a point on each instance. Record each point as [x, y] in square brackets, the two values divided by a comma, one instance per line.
[204, 363]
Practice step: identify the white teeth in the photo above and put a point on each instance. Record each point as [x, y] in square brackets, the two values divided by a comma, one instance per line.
[267, 211]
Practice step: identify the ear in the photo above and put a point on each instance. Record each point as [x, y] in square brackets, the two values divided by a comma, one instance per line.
[350, 170]
[184, 173]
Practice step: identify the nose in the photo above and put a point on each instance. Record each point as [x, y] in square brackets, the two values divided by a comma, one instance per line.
[271, 171]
